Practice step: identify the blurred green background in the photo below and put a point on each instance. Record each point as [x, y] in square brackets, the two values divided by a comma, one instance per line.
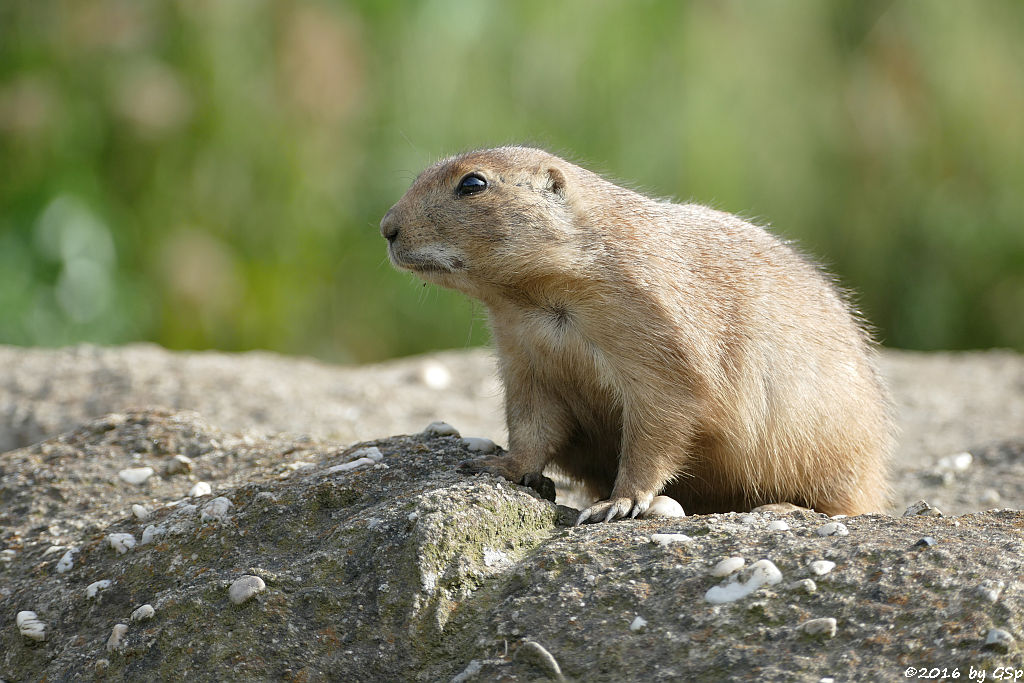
[211, 173]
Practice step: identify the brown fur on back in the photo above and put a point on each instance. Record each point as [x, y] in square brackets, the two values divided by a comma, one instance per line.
[648, 347]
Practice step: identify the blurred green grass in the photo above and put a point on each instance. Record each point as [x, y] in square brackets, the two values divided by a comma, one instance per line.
[210, 173]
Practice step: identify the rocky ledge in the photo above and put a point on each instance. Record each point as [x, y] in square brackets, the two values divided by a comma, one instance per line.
[309, 560]
[152, 544]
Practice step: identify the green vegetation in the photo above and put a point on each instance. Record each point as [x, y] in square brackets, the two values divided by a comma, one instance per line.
[210, 173]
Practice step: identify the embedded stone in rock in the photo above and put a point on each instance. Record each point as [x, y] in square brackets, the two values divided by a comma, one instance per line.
[122, 543]
[245, 587]
[30, 626]
[761, 573]
[668, 539]
[820, 627]
[116, 637]
[201, 488]
[144, 612]
[728, 566]
[822, 567]
[833, 529]
[440, 429]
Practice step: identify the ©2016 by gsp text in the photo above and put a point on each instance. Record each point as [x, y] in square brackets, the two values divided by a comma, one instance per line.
[999, 673]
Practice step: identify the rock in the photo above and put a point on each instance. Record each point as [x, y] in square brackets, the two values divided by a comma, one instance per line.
[435, 375]
[179, 464]
[479, 445]
[956, 463]
[922, 507]
[998, 640]
[440, 429]
[832, 529]
[820, 627]
[761, 573]
[114, 642]
[143, 612]
[245, 587]
[638, 624]
[668, 539]
[392, 573]
[778, 525]
[30, 626]
[201, 488]
[663, 506]
[216, 509]
[727, 566]
[926, 542]
[93, 589]
[141, 512]
[122, 543]
[67, 561]
[822, 567]
[136, 475]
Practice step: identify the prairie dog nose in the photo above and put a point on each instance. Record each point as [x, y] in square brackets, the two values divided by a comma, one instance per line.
[389, 225]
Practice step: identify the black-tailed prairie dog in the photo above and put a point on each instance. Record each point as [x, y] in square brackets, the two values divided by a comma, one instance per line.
[648, 347]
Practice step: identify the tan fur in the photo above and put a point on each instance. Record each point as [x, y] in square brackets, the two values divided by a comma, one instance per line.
[648, 347]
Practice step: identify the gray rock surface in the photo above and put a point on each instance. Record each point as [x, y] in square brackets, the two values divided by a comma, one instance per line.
[402, 569]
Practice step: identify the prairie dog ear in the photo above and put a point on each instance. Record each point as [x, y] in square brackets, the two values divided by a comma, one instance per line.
[556, 182]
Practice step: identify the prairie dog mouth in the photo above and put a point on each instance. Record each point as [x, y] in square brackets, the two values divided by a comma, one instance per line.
[426, 260]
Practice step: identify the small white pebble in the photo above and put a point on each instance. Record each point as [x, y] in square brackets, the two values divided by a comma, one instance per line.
[245, 587]
[960, 462]
[440, 429]
[347, 466]
[664, 506]
[728, 566]
[141, 512]
[990, 497]
[144, 612]
[479, 444]
[95, 587]
[922, 507]
[761, 573]
[820, 627]
[179, 464]
[216, 509]
[668, 539]
[151, 532]
[136, 475]
[201, 488]
[833, 529]
[67, 561]
[30, 626]
[371, 452]
[413, 516]
[822, 567]
[122, 543]
[827, 679]
[435, 375]
[7, 555]
[116, 637]
[806, 585]
[778, 525]
[747, 519]
[638, 624]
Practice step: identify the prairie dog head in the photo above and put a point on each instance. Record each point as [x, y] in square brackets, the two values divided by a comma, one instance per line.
[483, 218]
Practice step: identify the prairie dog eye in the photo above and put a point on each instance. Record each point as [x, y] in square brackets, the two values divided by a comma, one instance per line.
[471, 184]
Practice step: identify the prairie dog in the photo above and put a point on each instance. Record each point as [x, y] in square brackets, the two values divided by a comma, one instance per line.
[648, 347]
